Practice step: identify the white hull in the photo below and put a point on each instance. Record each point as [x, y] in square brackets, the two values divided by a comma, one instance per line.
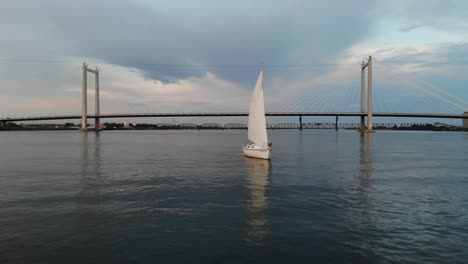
[258, 153]
[258, 146]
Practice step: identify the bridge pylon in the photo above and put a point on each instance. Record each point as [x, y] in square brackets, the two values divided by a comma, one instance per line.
[362, 127]
[84, 105]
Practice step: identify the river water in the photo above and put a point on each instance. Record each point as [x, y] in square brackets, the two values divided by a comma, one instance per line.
[191, 197]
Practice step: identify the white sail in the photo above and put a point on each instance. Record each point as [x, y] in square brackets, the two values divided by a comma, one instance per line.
[257, 125]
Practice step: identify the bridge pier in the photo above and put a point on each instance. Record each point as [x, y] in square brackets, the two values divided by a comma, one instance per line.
[465, 121]
[336, 123]
[300, 123]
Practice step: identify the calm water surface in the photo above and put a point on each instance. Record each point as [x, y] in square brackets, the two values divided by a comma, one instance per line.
[190, 196]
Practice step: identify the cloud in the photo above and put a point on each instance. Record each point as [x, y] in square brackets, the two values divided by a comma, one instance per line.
[208, 92]
[436, 14]
[123, 89]
[409, 28]
[152, 36]
[202, 55]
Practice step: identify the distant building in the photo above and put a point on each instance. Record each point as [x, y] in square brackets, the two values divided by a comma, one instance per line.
[126, 124]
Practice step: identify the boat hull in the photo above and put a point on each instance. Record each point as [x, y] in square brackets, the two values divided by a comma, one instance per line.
[257, 153]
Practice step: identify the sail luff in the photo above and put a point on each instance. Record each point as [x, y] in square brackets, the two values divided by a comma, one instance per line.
[257, 124]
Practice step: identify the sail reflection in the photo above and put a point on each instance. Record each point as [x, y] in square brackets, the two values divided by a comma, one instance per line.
[258, 178]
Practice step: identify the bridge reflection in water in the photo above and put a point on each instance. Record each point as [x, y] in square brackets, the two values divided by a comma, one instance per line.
[90, 174]
[366, 159]
[257, 182]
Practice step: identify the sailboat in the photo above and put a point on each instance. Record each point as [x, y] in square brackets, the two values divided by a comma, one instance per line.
[257, 145]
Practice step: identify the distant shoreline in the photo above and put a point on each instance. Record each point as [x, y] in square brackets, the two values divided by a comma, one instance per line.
[231, 126]
[441, 129]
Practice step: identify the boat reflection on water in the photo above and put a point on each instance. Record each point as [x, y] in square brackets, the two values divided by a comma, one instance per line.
[257, 183]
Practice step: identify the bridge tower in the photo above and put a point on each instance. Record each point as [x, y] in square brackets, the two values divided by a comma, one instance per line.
[362, 126]
[367, 65]
[84, 100]
[84, 105]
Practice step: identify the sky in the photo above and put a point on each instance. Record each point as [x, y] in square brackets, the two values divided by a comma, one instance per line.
[205, 55]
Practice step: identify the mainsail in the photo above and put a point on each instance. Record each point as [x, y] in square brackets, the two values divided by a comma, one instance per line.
[257, 124]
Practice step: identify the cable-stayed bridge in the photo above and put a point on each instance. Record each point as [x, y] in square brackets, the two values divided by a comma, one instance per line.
[448, 107]
[233, 114]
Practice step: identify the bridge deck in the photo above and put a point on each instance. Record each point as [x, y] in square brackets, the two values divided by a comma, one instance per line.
[207, 114]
